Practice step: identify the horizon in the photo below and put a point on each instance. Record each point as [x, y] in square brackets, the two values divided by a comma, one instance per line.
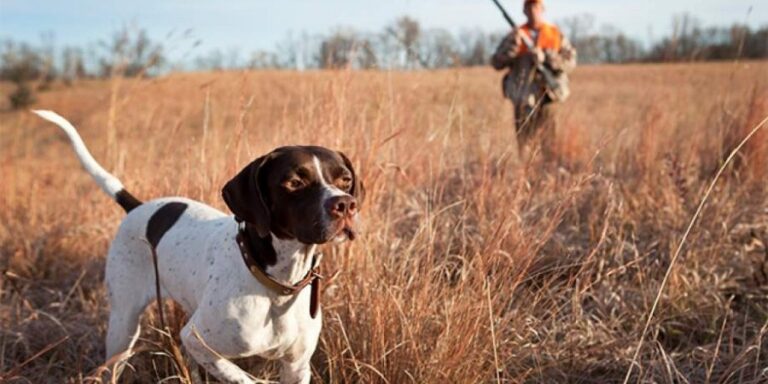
[195, 29]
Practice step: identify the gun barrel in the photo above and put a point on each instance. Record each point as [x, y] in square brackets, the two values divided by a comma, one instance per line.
[505, 14]
[526, 40]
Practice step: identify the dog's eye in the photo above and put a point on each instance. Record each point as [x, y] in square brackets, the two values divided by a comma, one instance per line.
[346, 183]
[294, 184]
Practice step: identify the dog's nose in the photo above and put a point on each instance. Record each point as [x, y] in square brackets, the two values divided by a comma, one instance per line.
[340, 206]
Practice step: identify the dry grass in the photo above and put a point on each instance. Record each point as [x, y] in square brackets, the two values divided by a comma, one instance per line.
[475, 267]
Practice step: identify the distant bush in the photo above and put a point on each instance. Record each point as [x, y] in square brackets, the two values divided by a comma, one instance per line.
[22, 64]
[22, 97]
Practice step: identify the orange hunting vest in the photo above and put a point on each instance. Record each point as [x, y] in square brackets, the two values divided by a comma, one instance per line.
[549, 38]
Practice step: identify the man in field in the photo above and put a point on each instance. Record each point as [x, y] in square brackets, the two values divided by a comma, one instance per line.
[524, 85]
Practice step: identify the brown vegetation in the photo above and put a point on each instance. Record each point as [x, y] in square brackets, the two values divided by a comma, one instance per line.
[474, 266]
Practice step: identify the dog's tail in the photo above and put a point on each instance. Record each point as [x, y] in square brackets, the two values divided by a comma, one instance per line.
[108, 182]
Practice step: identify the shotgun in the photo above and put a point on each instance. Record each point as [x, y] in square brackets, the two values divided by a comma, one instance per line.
[553, 85]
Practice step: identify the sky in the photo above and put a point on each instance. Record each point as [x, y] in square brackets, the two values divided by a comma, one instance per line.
[260, 24]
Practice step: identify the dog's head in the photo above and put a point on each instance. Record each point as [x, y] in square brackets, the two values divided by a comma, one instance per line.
[310, 194]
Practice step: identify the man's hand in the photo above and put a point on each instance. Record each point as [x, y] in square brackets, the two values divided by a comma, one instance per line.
[538, 56]
[554, 60]
[518, 33]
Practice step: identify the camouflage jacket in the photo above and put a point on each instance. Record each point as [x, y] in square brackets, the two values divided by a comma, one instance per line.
[523, 85]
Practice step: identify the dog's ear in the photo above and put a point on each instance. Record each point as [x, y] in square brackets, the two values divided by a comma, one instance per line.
[358, 191]
[244, 195]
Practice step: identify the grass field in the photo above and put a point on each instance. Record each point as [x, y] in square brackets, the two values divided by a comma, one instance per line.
[474, 265]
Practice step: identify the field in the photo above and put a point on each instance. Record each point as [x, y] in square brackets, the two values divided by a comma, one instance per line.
[475, 265]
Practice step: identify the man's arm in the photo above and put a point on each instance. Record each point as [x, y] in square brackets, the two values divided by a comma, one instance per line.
[506, 51]
[563, 60]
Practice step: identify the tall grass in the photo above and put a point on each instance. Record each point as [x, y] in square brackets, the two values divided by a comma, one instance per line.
[474, 265]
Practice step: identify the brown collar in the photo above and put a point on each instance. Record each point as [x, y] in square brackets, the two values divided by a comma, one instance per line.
[312, 277]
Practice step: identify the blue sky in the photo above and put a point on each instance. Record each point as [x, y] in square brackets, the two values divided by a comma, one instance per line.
[257, 24]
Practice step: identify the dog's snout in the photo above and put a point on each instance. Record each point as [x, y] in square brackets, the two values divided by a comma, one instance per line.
[341, 206]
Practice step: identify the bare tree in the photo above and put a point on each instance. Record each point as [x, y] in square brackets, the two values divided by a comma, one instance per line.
[73, 64]
[475, 47]
[365, 54]
[336, 50]
[439, 49]
[345, 48]
[578, 27]
[407, 32]
[130, 54]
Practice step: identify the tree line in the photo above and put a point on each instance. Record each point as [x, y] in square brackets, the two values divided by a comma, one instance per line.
[404, 44]
[688, 40]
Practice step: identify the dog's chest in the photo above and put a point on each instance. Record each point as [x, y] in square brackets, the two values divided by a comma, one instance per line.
[268, 330]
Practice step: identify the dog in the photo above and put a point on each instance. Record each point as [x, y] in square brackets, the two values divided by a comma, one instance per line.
[242, 278]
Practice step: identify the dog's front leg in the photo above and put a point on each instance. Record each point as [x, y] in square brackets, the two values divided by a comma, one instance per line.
[214, 363]
[295, 372]
[295, 367]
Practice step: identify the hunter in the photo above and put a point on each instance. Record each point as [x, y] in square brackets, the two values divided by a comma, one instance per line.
[524, 85]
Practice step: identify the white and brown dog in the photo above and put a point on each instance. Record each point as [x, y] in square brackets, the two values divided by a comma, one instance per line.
[241, 284]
